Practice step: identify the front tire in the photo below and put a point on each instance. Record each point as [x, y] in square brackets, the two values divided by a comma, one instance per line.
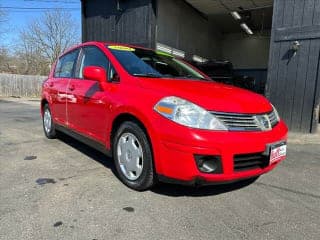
[48, 124]
[133, 157]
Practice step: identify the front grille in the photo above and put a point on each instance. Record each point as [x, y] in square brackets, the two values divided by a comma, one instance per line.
[243, 162]
[238, 121]
[247, 122]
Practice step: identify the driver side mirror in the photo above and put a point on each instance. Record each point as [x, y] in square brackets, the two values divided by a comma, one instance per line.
[95, 73]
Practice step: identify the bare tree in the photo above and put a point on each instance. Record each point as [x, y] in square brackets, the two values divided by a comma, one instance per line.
[4, 55]
[30, 60]
[4, 60]
[44, 39]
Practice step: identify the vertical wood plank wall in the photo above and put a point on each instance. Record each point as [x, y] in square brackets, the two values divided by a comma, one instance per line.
[129, 22]
[293, 78]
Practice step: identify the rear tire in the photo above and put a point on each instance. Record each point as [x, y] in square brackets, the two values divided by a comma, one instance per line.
[48, 124]
[133, 157]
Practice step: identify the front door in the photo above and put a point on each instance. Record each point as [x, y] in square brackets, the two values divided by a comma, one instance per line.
[88, 105]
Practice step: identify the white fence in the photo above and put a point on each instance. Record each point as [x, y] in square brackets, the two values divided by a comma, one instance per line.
[20, 85]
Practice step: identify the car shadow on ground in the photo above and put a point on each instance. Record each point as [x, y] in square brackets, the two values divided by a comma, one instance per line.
[172, 190]
[87, 150]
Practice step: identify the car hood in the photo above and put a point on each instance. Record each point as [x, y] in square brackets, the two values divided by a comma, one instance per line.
[209, 95]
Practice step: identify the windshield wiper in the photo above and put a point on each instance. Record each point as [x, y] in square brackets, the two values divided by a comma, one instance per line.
[193, 77]
[150, 75]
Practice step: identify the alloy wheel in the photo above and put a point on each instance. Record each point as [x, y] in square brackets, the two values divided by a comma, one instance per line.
[130, 156]
[47, 121]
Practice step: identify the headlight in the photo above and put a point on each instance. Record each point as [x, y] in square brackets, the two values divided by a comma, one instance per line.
[188, 114]
[276, 113]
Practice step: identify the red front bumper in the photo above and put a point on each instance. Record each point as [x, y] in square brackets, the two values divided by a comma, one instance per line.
[175, 147]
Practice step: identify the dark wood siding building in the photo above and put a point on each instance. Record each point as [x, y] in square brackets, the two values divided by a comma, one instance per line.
[293, 83]
[119, 21]
[146, 22]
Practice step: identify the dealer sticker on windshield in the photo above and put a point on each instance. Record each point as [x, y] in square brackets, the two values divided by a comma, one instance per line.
[121, 48]
[278, 152]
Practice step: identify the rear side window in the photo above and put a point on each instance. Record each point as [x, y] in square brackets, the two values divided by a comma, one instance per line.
[66, 65]
[92, 56]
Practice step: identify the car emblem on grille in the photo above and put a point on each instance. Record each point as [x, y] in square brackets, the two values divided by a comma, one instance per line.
[263, 122]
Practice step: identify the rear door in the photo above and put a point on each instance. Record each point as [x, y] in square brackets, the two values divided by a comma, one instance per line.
[88, 114]
[58, 85]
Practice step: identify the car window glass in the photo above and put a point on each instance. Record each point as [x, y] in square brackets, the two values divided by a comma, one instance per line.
[57, 69]
[66, 65]
[113, 75]
[92, 56]
[148, 63]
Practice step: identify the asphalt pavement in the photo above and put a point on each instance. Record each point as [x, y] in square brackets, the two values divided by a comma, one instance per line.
[62, 189]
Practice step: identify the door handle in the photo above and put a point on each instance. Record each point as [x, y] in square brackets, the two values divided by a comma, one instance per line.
[71, 87]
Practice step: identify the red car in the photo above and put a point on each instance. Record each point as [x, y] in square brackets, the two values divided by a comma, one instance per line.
[160, 118]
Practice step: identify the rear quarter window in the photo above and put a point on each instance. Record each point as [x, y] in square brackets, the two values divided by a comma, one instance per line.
[66, 65]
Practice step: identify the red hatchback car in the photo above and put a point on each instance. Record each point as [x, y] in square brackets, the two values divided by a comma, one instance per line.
[160, 118]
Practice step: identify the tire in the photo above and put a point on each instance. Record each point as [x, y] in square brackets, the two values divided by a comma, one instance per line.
[133, 157]
[48, 124]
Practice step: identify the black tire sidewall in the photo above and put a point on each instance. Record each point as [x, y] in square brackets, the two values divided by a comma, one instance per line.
[146, 179]
[52, 133]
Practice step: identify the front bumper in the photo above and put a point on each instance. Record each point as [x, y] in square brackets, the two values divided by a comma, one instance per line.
[177, 145]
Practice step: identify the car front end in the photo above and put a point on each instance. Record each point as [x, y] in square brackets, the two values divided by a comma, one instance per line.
[198, 146]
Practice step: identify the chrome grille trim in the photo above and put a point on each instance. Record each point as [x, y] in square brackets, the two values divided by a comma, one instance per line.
[273, 118]
[247, 122]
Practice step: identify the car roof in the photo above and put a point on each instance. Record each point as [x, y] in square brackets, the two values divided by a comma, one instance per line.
[112, 44]
[102, 43]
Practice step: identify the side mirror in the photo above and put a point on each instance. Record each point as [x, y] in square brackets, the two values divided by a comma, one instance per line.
[95, 73]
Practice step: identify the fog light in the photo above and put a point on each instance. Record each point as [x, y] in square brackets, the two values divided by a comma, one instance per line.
[208, 164]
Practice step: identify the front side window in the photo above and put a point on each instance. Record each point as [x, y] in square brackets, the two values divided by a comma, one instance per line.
[113, 75]
[92, 56]
[66, 65]
[148, 63]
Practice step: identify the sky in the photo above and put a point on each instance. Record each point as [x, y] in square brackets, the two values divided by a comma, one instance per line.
[21, 12]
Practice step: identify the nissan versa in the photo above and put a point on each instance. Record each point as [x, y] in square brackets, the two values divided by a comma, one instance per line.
[160, 118]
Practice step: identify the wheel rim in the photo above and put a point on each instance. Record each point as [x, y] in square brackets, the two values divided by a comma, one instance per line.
[130, 156]
[47, 121]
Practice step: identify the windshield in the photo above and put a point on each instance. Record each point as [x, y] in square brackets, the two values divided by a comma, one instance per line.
[148, 63]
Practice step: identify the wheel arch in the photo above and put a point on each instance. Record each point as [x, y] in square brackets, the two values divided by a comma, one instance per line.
[44, 101]
[127, 117]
